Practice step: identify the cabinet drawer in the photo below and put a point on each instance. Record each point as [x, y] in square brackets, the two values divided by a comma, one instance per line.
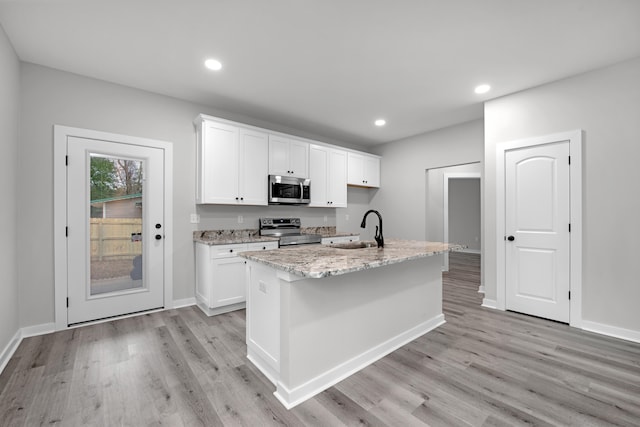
[226, 251]
[262, 246]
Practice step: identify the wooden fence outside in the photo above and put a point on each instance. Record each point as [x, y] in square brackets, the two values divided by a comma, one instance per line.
[111, 238]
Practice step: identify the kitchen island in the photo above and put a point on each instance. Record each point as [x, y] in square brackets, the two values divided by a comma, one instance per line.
[317, 314]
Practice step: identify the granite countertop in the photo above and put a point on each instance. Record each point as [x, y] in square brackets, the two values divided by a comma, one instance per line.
[318, 261]
[329, 231]
[230, 237]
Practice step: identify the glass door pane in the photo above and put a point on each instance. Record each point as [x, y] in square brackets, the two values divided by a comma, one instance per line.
[116, 226]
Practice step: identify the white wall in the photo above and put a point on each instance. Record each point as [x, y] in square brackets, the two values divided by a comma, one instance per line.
[605, 104]
[402, 196]
[464, 212]
[9, 107]
[435, 198]
[51, 97]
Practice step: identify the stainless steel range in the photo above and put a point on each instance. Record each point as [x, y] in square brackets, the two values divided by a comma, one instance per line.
[288, 230]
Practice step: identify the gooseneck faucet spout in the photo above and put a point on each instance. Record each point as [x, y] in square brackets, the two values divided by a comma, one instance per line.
[378, 236]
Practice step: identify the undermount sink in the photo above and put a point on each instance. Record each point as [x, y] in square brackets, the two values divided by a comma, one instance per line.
[355, 245]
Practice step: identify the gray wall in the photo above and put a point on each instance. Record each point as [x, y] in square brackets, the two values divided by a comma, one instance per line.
[51, 97]
[9, 102]
[464, 212]
[435, 198]
[605, 104]
[402, 198]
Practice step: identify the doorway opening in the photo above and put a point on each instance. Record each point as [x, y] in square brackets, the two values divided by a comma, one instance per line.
[453, 211]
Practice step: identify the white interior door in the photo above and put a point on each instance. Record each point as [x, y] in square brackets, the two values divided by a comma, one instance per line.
[537, 221]
[115, 217]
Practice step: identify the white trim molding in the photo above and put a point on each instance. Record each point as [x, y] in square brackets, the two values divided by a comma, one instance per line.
[612, 331]
[10, 349]
[185, 302]
[575, 184]
[60, 137]
[489, 303]
[290, 398]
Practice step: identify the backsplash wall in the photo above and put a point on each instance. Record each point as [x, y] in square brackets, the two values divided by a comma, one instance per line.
[225, 217]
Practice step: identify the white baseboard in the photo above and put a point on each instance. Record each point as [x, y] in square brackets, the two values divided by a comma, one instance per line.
[29, 331]
[481, 289]
[186, 302]
[35, 330]
[490, 303]
[471, 251]
[290, 398]
[612, 331]
[11, 348]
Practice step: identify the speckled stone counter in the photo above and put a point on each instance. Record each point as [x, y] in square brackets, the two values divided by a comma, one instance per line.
[329, 231]
[318, 261]
[229, 237]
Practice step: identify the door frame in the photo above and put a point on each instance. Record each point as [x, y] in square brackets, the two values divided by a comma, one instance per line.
[445, 197]
[575, 208]
[60, 136]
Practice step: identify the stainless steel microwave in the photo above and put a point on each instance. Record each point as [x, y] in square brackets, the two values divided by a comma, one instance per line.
[289, 190]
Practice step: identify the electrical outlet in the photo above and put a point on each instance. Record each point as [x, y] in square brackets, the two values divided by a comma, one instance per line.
[240, 219]
[325, 218]
[195, 219]
[346, 217]
[262, 287]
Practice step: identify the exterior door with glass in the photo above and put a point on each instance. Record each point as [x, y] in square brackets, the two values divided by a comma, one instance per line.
[115, 216]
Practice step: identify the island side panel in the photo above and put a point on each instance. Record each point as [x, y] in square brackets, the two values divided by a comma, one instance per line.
[335, 326]
[263, 319]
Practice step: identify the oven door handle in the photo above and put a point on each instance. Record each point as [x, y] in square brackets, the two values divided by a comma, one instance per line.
[301, 191]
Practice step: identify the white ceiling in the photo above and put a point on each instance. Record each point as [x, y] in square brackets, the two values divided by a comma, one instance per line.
[328, 67]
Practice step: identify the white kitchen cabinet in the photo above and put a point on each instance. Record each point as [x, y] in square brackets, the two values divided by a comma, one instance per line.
[288, 157]
[220, 276]
[363, 170]
[232, 164]
[328, 173]
[339, 239]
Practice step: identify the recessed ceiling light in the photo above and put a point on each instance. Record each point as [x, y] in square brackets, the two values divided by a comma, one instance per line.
[213, 64]
[380, 122]
[482, 89]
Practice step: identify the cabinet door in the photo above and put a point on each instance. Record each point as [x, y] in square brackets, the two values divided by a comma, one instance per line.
[318, 167]
[355, 169]
[337, 179]
[254, 148]
[371, 171]
[229, 286]
[279, 156]
[299, 159]
[219, 163]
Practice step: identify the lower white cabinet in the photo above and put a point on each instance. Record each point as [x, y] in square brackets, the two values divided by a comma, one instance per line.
[220, 276]
[339, 239]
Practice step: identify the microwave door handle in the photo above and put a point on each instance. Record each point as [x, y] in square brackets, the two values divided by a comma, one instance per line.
[301, 191]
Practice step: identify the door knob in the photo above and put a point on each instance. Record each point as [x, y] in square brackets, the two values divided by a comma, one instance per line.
[511, 238]
[158, 236]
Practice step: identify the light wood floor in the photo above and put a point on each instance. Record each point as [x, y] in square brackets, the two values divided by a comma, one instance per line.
[179, 367]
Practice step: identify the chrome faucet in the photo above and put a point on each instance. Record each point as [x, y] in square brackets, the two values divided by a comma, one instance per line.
[378, 236]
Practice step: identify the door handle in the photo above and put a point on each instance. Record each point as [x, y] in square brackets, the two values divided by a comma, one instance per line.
[511, 238]
[158, 236]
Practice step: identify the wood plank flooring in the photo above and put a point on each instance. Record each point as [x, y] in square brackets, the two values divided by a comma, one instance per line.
[181, 368]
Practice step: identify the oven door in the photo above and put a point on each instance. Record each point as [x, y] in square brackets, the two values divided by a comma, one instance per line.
[285, 189]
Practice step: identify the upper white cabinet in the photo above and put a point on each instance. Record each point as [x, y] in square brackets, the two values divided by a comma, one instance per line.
[288, 157]
[364, 170]
[232, 165]
[328, 173]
